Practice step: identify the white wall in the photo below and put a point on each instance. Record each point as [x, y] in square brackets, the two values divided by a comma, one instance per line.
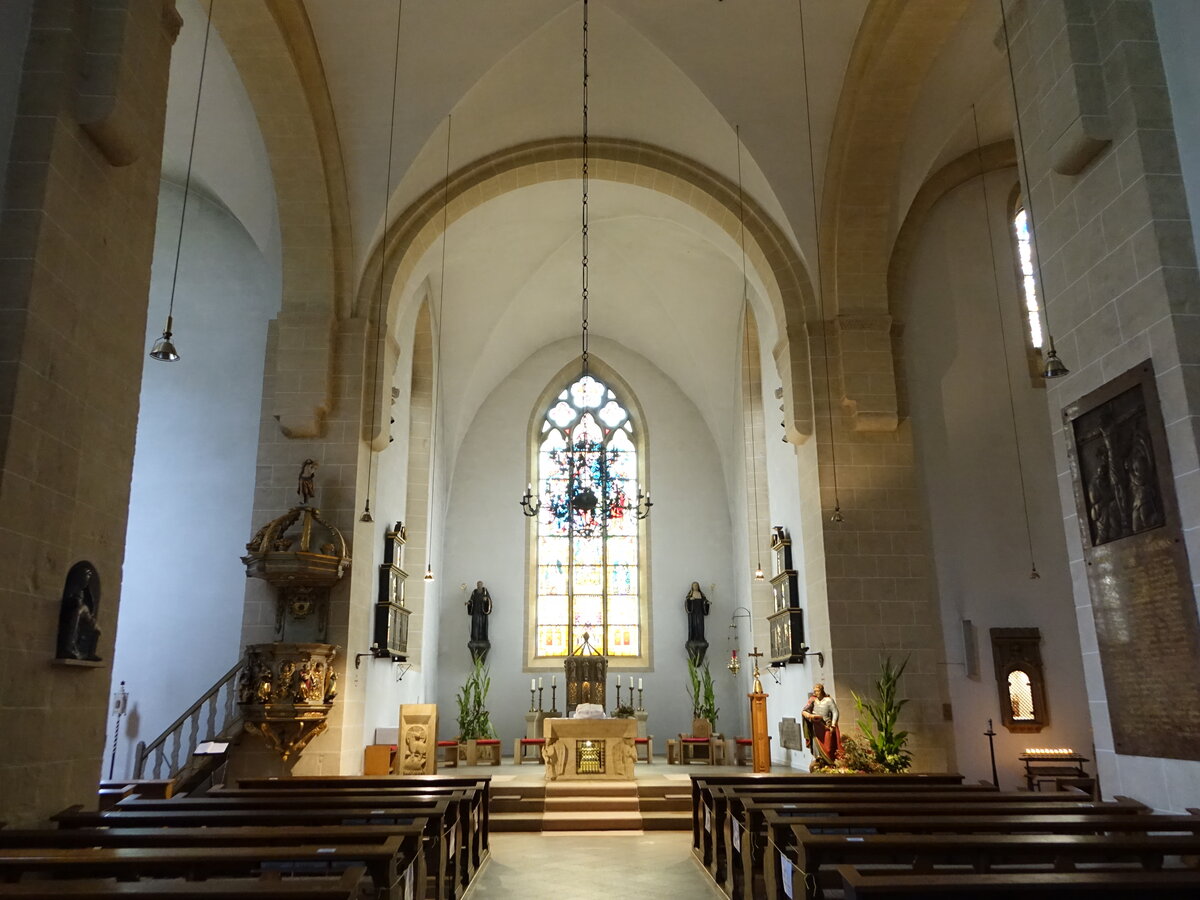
[967, 464]
[183, 585]
[689, 540]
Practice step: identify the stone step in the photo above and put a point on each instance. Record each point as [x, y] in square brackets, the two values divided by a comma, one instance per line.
[666, 821]
[591, 789]
[505, 822]
[592, 821]
[580, 803]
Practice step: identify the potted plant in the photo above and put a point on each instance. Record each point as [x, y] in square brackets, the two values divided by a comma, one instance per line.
[704, 696]
[474, 722]
[886, 743]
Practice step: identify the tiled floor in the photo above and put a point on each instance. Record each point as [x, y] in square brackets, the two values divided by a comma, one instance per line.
[583, 866]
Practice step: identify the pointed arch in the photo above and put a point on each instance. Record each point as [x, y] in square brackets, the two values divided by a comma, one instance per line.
[587, 568]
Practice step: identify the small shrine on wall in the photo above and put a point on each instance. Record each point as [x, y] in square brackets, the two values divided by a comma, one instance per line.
[287, 688]
[787, 622]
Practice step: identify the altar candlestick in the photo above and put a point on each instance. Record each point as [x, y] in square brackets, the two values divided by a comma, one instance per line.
[539, 690]
[531, 690]
[553, 695]
[619, 693]
[640, 706]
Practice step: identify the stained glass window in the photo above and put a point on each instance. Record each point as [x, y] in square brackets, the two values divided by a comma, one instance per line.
[587, 529]
[1029, 288]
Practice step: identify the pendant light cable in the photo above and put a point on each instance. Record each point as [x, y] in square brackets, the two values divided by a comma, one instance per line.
[737, 130]
[435, 427]
[584, 210]
[164, 348]
[837, 517]
[387, 200]
[1012, 406]
[1054, 367]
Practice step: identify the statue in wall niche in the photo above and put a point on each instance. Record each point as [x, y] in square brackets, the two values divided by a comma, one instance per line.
[305, 487]
[78, 631]
[479, 607]
[697, 607]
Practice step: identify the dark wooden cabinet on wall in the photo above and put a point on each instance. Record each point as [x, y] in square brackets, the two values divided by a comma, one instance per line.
[787, 622]
[391, 615]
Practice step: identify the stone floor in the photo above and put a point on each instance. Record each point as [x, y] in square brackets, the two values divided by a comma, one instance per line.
[592, 866]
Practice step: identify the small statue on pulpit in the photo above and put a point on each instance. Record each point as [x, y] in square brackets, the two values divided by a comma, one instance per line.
[305, 487]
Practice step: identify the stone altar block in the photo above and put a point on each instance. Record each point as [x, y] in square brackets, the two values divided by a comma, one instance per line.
[590, 749]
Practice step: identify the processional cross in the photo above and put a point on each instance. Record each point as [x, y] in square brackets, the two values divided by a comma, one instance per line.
[756, 655]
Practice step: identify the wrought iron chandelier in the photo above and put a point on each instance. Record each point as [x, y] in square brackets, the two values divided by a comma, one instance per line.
[587, 458]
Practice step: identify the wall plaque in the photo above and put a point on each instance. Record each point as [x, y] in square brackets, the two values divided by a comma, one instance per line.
[1137, 567]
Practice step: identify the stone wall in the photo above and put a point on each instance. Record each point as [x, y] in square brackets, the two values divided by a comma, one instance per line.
[76, 240]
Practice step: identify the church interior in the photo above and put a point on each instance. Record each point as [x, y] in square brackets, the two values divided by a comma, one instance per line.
[885, 303]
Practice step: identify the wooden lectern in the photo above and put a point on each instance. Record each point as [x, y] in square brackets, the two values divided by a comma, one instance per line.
[760, 742]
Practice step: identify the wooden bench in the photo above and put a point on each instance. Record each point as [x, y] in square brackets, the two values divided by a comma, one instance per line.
[269, 886]
[750, 818]
[1175, 884]
[385, 861]
[447, 870]
[801, 866]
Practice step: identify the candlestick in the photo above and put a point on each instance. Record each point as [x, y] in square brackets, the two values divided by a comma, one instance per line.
[539, 690]
[641, 708]
[553, 694]
[619, 693]
[531, 690]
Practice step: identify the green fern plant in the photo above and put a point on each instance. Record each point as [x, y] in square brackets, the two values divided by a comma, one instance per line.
[886, 742]
[702, 692]
[474, 722]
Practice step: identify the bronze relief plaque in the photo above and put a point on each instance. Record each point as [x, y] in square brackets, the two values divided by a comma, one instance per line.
[1137, 567]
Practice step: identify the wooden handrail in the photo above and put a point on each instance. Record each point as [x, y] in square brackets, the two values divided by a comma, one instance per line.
[145, 751]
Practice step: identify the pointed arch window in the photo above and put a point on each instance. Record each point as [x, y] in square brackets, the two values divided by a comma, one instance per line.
[586, 549]
[1029, 287]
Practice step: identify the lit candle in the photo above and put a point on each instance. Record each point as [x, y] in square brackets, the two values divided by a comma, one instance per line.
[539, 682]
[639, 684]
[532, 683]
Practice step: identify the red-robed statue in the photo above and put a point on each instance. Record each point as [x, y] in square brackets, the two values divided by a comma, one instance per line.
[821, 734]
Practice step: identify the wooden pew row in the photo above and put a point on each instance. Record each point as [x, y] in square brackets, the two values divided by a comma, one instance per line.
[709, 796]
[455, 846]
[1173, 884]
[473, 795]
[387, 861]
[445, 865]
[702, 787]
[346, 886]
[804, 866]
[744, 839]
[232, 836]
[387, 782]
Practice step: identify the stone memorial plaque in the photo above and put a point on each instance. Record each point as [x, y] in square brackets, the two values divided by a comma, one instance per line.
[1137, 567]
[789, 734]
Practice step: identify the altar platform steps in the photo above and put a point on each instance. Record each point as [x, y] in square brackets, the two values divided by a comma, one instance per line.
[590, 806]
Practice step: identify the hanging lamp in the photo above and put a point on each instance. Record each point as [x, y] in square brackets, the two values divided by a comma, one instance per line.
[164, 349]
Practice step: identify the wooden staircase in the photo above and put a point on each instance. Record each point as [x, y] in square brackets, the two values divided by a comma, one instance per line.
[591, 806]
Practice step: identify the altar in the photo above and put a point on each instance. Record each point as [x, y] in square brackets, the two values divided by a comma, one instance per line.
[590, 749]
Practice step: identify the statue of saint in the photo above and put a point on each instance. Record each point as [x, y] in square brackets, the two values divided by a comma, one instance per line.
[697, 607]
[78, 631]
[821, 734]
[308, 472]
[479, 607]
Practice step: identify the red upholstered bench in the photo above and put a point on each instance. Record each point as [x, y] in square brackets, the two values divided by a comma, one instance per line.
[743, 750]
[522, 745]
[648, 744]
[448, 753]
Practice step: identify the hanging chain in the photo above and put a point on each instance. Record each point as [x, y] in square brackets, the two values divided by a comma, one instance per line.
[584, 214]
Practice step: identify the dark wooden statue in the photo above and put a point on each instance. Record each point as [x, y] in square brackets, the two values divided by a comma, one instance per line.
[479, 607]
[78, 629]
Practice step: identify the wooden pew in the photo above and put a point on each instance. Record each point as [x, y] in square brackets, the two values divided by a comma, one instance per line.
[385, 782]
[801, 867]
[702, 784]
[444, 867]
[384, 860]
[230, 836]
[1174, 884]
[270, 886]
[454, 847]
[749, 818]
[473, 795]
